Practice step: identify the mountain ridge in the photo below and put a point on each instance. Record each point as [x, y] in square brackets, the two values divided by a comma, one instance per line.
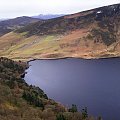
[89, 34]
[47, 16]
[9, 25]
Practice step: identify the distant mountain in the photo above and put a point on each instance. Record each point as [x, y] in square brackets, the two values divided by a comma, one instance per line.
[89, 34]
[48, 16]
[3, 19]
[12, 24]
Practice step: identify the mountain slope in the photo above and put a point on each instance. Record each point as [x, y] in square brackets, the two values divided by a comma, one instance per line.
[21, 101]
[90, 34]
[12, 24]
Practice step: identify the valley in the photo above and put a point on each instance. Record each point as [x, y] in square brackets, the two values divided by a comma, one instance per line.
[31, 49]
[87, 35]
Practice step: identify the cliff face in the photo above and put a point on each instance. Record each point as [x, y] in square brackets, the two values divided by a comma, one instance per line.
[90, 34]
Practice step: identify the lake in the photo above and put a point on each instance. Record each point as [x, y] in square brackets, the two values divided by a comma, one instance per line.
[94, 84]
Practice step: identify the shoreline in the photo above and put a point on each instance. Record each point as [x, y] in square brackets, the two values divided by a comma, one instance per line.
[114, 57]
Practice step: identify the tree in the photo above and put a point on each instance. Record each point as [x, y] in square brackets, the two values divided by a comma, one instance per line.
[84, 113]
[32, 99]
[60, 117]
[73, 108]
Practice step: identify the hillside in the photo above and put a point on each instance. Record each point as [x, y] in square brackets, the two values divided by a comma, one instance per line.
[89, 34]
[12, 24]
[20, 101]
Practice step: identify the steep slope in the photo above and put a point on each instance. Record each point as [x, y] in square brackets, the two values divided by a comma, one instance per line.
[90, 34]
[12, 24]
[20, 101]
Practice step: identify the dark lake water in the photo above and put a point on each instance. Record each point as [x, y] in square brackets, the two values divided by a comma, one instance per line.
[94, 84]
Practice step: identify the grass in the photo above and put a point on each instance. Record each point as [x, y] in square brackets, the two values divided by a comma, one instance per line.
[29, 46]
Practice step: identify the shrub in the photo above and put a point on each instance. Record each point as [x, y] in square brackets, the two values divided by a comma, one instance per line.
[60, 117]
[73, 108]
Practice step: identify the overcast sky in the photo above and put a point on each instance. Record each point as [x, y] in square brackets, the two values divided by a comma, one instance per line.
[15, 8]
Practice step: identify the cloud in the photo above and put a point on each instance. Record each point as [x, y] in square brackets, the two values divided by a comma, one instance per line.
[13, 8]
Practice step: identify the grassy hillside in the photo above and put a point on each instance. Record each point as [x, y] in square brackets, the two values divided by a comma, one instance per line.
[20, 101]
[89, 34]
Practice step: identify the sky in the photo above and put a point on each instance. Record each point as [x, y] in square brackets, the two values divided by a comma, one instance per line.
[16, 8]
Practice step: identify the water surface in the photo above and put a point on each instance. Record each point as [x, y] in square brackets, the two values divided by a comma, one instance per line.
[94, 84]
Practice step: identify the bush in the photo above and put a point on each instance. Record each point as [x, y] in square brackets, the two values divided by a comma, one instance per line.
[84, 113]
[60, 117]
[73, 108]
